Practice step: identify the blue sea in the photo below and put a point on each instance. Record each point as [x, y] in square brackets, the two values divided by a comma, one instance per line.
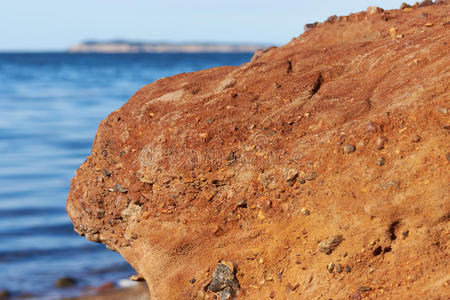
[50, 107]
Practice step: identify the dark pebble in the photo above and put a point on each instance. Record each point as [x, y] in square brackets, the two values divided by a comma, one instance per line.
[339, 268]
[302, 181]
[349, 149]
[65, 282]
[381, 161]
[242, 203]
[192, 280]
[377, 251]
[348, 269]
[405, 233]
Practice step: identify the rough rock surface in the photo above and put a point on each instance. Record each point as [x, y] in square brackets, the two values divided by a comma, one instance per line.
[248, 164]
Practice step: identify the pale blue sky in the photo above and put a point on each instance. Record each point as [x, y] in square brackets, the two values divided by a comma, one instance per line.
[58, 24]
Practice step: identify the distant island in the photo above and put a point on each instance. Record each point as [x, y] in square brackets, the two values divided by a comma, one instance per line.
[121, 46]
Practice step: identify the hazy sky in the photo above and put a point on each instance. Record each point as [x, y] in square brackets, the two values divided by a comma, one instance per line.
[58, 24]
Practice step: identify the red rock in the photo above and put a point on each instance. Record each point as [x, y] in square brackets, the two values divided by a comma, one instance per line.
[178, 217]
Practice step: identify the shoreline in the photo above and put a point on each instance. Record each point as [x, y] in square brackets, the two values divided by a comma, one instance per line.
[138, 292]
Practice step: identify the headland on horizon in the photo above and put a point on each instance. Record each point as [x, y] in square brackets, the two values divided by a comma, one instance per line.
[123, 46]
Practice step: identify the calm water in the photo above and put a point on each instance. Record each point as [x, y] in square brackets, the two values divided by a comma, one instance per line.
[50, 107]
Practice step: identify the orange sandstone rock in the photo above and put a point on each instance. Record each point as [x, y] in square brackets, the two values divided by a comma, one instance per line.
[216, 166]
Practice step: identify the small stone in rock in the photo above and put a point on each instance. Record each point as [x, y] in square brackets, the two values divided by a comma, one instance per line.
[442, 110]
[118, 188]
[426, 3]
[381, 161]
[348, 269]
[226, 294]
[405, 233]
[381, 140]
[329, 244]
[364, 289]
[416, 138]
[192, 280]
[65, 282]
[377, 251]
[330, 267]
[349, 149]
[374, 9]
[106, 172]
[289, 287]
[224, 277]
[242, 203]
[310, 26]
[305, 211]
[136, 277]
[405, 5]
[339, 268]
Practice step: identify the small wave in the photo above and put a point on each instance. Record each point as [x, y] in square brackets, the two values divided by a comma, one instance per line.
[53, 230]
[35, 211]
[15, 255]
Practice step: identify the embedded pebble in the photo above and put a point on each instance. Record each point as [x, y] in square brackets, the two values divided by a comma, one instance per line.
[426, 3]
[339, 268]
[381, 140]
[330, 267]
[405, 5]
[327, 246]
[381, 161]
[106, 172]
[349, 149]
[364, 289]
[374, 10]
[416, 138]
[223, 278]
[442, 110]
[118, 188]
